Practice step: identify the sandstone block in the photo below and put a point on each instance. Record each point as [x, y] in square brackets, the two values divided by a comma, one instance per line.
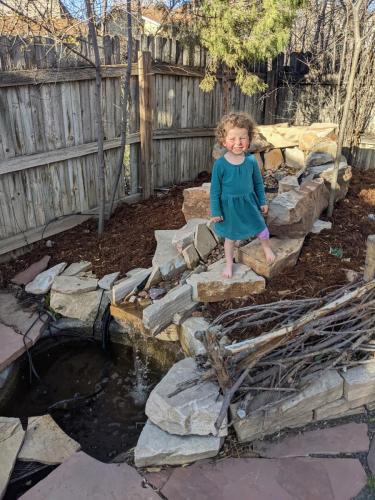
[169, 334]
[192, 411]
[343, 178]
[107, 281]
[191, 256]
[281, 137]
[190, 344]
[73, 284]
[197, 203]
[293, 214]
[169, 261]
[210, 286]
[294, 158]
[248, 428]
[157, 447]
[77, 267]
[259, 143]
[313, 137]
[273, 159]
[359, 382]
[288, 183]
[286, 251]
[259, 161]
[204, 241]
[339, 408]
[185, 236]
[127, 285]
[160, 314]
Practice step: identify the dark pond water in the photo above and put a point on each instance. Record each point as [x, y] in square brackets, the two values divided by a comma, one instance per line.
[106, 424]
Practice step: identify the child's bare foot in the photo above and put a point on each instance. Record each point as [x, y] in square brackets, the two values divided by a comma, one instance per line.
[270, 256]
[228, 270]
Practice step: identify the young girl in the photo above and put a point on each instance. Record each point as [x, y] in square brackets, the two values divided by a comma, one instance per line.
[237, 193]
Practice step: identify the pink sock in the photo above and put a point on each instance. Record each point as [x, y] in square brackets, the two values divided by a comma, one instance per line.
[264, 235]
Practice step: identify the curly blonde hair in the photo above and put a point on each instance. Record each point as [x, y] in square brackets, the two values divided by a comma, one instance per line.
[234, 120]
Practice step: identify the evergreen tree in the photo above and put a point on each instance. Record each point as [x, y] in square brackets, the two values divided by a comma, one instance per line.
[239, 32]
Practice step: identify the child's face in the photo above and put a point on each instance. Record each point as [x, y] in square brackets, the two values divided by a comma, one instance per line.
[237, 140]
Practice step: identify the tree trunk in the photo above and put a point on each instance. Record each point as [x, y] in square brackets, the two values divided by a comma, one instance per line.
[98, 116]
[124, 107]
[357, 48]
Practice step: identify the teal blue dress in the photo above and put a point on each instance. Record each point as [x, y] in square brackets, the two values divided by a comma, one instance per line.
[237, 193]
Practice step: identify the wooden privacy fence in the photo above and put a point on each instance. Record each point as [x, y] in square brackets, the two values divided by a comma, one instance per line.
[47, 133]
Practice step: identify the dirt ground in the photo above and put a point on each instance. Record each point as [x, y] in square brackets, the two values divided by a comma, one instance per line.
[128, 242]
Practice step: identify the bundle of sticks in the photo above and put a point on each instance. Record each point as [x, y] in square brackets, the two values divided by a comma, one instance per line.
[286, 342]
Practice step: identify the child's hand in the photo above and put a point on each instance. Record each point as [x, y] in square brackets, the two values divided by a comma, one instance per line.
[217, 219]
[264, 209]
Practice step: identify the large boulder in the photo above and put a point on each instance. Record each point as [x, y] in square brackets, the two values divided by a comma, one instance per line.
[192, 411]
[292, 214]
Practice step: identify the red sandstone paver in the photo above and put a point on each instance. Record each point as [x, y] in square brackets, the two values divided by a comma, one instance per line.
[348, 438]
[266, 479]
[11, 346]
[84, 478]
[371, 456]
[26, 276]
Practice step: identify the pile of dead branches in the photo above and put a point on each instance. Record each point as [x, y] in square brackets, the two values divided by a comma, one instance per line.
[287, 342]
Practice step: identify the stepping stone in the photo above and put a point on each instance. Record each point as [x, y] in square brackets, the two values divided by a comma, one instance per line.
[348, 438]
[286, 251]
[167, 258]
[264, 479]
[74, 284]
[24, 277]
[204, 241]
[82, 478]
[11, 438]
[192, 411]
[185, 236]
[46, 443]
[210, 286]
[80, 306]
[107, 281]
[77, 267]
[157, 447]
[42, 283]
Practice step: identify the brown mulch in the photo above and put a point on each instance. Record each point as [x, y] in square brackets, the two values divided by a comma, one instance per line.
[129, 242]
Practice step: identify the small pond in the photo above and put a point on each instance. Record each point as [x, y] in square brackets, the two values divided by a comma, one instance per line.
[120, 378]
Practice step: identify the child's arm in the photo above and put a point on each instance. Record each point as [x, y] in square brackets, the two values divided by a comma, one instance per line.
[258, 184]
[215, 193]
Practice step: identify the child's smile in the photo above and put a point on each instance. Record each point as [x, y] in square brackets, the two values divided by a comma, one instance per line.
[237, 141]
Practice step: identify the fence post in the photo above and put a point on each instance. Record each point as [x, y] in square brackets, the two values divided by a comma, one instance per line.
[145, 126]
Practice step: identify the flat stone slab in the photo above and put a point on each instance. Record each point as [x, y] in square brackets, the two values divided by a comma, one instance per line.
[190, 344]
[11, 438]
[264, 479]
[348, 438]
[107, 281]
[210, 286]
[24, 277]
[82, 478]
[80, 306]
[42, 283]
[167, 258]
[157, 447]
[185, 236]
[359, 382]
[46, 443]
[192, 411]
[127, 285]
[74, 284]
[204, 241]
[77, 267]
[286, 251]
[191, 256]
[160, 314]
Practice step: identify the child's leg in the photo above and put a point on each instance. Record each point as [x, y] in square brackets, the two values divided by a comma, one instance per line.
[264, 238]
[229, 253]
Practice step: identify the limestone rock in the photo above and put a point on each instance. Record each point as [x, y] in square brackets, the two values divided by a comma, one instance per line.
[273, 159]
[24, 277]
[286, 251]
[313, 137]
[359, 382]
[197, 202]
[281, 137]
[107, 281]
[294, 158]
[259, 143]
[157, 447]
[154, 278]
[127, 285]
[210, 286]
[134, 271]
[169, 334]
[191, 256]
[160, 314]
[169, 261]
[316, 159]
[190, 344]
[80, 306]
[293, 214]
[204, 241]
[43, 282]
[321, 225]
[185, 236]
[288, 183]
[46, 443]
[77, 267]
[193, 411]
[339, 408]
[11, 438]
[326, 173]
[73, 284]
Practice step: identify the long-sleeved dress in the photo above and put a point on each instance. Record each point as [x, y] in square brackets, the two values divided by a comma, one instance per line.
[237, 193]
